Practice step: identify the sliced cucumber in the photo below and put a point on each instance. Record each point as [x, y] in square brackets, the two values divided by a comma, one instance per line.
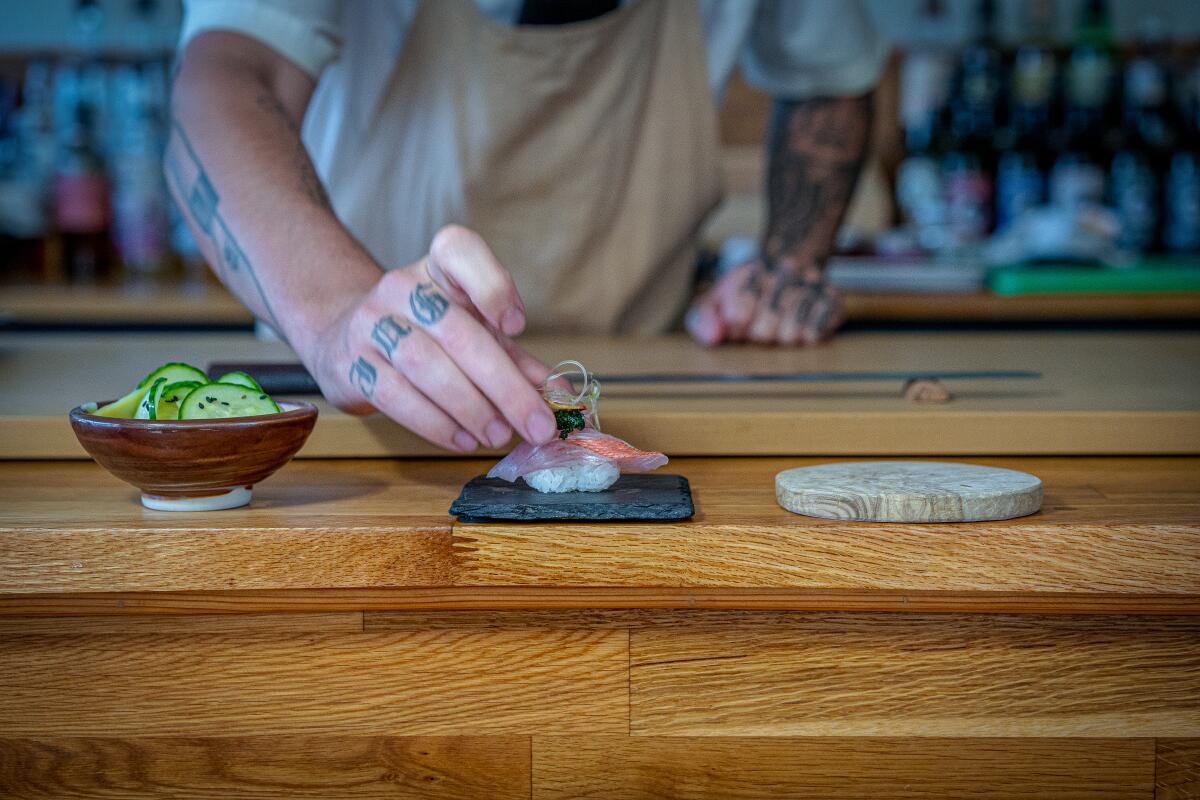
[241, 379]
[174, 371]
[166, 405]
[126, 407]
[145, 408]
[218, 400]
[129, 405]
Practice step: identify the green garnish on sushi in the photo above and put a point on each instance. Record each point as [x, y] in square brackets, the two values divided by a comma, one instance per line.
[567, 420]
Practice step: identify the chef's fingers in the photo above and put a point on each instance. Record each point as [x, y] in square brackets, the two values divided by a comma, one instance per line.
[796, 310]
[423, 362]
[703, 320]
[824, 318]
[533, 369]
[738, 293]
[394, 395]
[481, 358]
[769, 313]
[462, 264]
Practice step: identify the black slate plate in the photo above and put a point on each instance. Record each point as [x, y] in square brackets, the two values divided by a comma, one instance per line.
[641, 497]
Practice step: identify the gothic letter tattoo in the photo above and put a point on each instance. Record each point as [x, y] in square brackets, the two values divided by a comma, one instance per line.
[427, 304]
[362, 375]
[387, 333]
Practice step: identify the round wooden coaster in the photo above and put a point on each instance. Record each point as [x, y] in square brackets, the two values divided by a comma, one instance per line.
[908, 491]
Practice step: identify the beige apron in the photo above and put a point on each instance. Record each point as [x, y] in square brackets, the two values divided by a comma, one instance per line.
[585, 154]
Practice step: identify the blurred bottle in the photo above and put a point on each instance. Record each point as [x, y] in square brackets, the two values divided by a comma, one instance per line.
[976, 101]
[1181, 228]
[26, 172]
[1089, 83]
[1146, 111]
[967, 163]
[967, 188]
[925, 77]
[1024, 143]
[1078, 175]
[139, 195]
[1147, 136]
[81, 209]
[1034, 76]
[1020, 184]
[926, 72]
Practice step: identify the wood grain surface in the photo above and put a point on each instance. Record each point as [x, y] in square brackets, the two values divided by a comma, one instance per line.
[741, 768]
[450, 682]
[522, 598]
[1109, 529]
[908, 675]
[232, 768]
[1177, 769]
[1132, 393]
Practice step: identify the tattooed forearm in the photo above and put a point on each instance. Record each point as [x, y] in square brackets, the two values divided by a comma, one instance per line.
[427, 304]
[387, 333]
[310, 183]
[198, 199]
[363, 375]
[816, 149]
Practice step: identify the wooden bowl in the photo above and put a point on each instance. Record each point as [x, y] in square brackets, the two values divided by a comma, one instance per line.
[195, 464]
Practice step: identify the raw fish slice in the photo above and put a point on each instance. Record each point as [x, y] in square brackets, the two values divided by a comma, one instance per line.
[626, 456]
[582, 450]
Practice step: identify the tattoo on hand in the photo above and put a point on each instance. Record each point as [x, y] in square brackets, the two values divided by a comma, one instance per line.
[201, 203]
[362, 375]
[310, 182]
[387, 333]
[427, 304]
[816, 151]
[816, 303]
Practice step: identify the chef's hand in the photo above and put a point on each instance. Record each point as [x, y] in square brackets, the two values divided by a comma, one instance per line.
[752, 303]
[429, 346]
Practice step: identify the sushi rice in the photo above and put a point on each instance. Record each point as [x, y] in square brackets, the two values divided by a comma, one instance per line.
[587, 476]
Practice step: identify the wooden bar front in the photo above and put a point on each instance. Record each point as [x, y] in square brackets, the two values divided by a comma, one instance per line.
[344, 637]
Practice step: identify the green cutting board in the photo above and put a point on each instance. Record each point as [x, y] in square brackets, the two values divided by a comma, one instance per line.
[1161, 275]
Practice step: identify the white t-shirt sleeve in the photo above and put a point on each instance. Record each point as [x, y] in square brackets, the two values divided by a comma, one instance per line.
[303, 31]
[811, 48]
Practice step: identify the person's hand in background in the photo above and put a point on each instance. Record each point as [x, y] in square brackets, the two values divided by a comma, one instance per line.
[752, 303]
[816, 149]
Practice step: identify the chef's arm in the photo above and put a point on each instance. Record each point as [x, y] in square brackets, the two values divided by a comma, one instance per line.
[816, 149]
[426, 344]
[241, 177]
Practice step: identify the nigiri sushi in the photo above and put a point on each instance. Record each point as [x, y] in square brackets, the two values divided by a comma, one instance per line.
[582, 459]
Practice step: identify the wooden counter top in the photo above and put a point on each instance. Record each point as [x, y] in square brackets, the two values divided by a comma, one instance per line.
[1115, 535]
[1127, 393]
[208, 304]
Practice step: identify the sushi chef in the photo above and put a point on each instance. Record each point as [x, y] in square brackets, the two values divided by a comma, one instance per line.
[400, 186]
